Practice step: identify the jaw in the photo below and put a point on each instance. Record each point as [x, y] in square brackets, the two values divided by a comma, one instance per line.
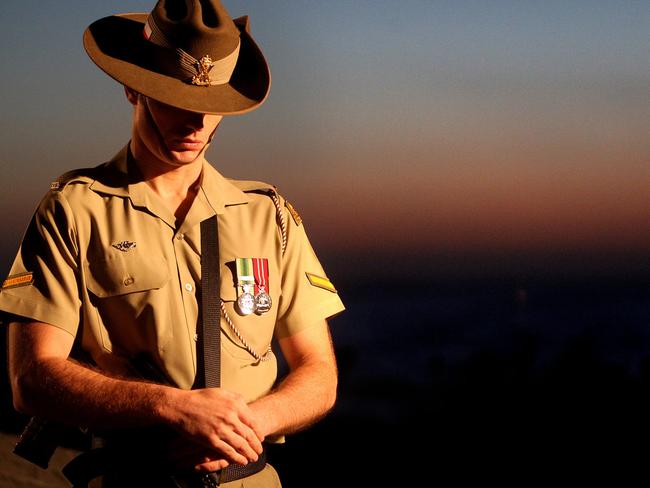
[186, 156]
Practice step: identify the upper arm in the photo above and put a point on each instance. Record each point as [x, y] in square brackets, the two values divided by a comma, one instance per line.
[44, 281]
[307, 294]
[29, 342]
[310, 345]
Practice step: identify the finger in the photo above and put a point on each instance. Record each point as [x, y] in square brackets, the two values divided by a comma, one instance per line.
[247, 418]
[239, 435]
[211, 466]
[230, 452]
[251, 439]
[242, 445]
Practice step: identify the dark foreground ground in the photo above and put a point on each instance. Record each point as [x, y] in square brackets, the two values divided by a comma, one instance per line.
[467, 383]
[18, 473]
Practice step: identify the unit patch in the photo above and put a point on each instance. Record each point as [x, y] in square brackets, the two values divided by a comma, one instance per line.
[321, 282]
[294, 213]
[22, 279]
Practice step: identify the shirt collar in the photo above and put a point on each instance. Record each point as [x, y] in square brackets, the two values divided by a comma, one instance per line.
[220, 192]
[120, 178]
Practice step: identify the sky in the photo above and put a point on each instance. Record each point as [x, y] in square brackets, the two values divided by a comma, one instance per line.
[443, 136]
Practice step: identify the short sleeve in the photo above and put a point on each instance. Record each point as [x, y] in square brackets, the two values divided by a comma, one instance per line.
[307, 295]
[43, 282]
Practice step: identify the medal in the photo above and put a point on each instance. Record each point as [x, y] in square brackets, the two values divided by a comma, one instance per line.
[245, 286]
[246, 303]
[263, 300]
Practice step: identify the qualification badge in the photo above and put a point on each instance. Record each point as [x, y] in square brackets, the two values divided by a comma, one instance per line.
[245, 286]
[263, 300]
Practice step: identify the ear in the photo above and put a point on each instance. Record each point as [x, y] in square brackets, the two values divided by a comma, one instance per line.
[131, 95]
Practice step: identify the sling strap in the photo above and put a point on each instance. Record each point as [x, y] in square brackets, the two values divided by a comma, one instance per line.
[209, 341]
[96, 462]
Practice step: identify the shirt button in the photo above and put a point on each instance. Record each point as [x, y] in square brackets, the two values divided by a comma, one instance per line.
[196, 337]
[188, 287]
[180, 237]
[128, 281]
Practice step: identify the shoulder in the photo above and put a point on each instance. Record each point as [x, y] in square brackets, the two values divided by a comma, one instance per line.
[254, 186]
[258, 192]
[73, 188]
[78, 183]
[80, 176]
[269, 192]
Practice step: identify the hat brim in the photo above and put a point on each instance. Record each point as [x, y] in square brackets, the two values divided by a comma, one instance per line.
[117, 45]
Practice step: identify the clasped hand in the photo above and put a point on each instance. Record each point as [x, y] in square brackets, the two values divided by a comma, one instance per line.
[217, 428]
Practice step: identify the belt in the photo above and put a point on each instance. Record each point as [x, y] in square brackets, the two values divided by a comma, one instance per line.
[106, 461]
[211, 480]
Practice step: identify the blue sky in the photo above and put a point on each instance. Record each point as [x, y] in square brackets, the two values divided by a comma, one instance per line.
[442, 125]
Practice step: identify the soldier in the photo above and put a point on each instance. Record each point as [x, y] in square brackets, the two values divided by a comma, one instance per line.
[114, 273]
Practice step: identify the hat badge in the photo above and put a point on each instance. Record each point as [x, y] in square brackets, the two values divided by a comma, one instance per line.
[203, 67]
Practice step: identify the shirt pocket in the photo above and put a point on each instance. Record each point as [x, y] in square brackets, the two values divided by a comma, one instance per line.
[125, 273]
[132, 306]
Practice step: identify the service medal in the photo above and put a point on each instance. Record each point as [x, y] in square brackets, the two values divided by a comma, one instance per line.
[263, 300]
[246, 303]
[245, 286]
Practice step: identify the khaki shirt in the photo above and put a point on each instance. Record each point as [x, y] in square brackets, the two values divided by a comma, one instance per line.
[103, 260]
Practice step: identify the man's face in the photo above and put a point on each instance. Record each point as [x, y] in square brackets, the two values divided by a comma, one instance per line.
[171, 135]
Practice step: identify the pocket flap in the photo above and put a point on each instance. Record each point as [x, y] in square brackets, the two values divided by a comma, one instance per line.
[125, 273]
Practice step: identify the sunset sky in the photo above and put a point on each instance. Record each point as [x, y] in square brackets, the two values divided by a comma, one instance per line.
[433, 133]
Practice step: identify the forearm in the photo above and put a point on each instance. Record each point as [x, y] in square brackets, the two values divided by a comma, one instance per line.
[303, 397]
[69, 392]
[46, 382]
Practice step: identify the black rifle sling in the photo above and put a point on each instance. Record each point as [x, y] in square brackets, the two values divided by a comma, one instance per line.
[96, 462]
[210, 324]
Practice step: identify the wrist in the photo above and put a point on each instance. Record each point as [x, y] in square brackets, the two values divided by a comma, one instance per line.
[164, 404]
[263, 412]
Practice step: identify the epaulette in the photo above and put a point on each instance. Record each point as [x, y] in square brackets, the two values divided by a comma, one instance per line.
[272, 192]
[82, 175]
[265, 188]
[254, 186]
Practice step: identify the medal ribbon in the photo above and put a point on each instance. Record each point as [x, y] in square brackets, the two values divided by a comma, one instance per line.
[244, 273]
[261, 274]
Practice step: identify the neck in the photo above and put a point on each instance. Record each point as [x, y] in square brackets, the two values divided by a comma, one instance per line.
[175, 184]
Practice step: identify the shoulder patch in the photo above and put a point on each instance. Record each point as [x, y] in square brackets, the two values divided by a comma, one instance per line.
[320, 282]
[294, 213]
[86, 175]
[21, 279]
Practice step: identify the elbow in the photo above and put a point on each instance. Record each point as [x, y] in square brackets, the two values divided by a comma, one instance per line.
[330, 402]
[331, 392]
[20, 397]
[24, 389]
[22, 407]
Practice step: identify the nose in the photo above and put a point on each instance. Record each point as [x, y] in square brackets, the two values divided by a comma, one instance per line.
[195, 120]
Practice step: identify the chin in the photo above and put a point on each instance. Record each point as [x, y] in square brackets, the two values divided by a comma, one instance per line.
[184, 157]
